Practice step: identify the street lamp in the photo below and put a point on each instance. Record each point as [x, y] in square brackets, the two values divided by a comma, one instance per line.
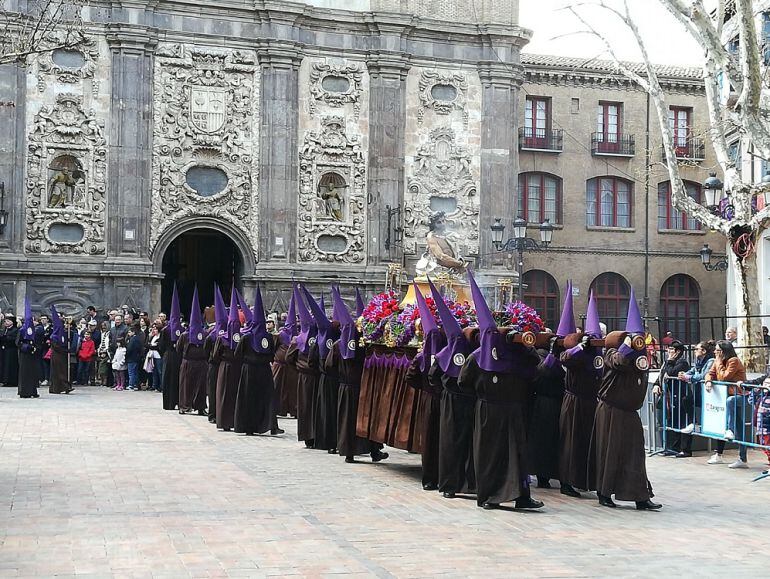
[519, 242]
[705, 258]
[712, 189]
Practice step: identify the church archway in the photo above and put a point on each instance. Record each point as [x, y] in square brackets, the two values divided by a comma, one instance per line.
[202, 256]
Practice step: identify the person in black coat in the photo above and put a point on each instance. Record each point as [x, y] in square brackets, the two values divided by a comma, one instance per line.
[29, 367]
[9, 353]
[679, 403]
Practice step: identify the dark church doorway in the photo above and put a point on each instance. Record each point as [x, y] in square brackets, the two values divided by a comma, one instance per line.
[203, 257]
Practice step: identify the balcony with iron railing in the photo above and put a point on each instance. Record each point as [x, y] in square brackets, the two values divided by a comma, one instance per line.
[617, 145]
[692, 150]
[544, 140]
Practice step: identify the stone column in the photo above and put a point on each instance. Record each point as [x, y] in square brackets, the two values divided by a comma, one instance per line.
[499, 152]
[13, 140]
[130, 152]
[278, 154]
[387, 123]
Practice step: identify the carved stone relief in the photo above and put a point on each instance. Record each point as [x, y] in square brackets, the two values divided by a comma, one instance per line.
[336, 85]
[205, 144]
[443, 92]
[66, 178]
[69, 65]
[332, 180]
[441, 179]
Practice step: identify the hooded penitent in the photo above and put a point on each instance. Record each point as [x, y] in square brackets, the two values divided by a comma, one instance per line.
[195, 332]
[256, 328]
[451, 358]
[567, 321]
[307, 327]
[634, 325]
[592, 318]
[326, 333]
[27, 330]
[493, 354]
[289, 329]
[433, 339]
[231, 335]
[348, 332]
[58, 334]
[175, 317]
[220, 313]
[360, 305]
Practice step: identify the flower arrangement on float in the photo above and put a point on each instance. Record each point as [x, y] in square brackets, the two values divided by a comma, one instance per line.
[520, 317]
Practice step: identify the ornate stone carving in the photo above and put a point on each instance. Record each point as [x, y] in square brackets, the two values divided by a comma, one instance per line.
[88, 49]
[442, 92]
[332, 196]
[66, 178]
[442, 171]
[206, 115]
[327, 84]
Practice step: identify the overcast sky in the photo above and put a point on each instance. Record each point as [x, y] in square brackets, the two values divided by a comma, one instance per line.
[667, 42]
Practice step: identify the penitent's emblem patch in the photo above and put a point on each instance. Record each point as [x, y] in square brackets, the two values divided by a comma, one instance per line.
[29, 331]
[178, 333]
[200, 335]
[265, 343]
[236, 338]
[352, 345]
[311, 341]
[494, 379]
[329, 344]
[642, 363]
[494, 353]
[598, 362]
[458, 359]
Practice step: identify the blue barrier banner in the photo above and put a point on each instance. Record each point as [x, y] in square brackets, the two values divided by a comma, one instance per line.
[714, 411]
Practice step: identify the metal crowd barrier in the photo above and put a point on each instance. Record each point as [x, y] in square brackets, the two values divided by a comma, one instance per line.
[692, 409]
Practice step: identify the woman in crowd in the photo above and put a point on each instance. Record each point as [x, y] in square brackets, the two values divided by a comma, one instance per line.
[103, 356]
[678, 402]
[704, 359]
[727, 367]
[153, 363]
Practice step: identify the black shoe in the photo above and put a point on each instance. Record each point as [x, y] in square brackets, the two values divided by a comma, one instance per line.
[350, 459]
[647, 505]
[669, 453]
[430, 487]
[543, 483]
[308, 444]
[201, 413]
[212, 420]
[490, 506]
[332, 451]
[448, 495]
[378, 455]
[569, 490]
[527, 503]
[36, 396]
[606, 501]
[684, 454]
[276, 431]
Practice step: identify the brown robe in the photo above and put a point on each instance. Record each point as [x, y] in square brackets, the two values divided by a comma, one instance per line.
[285, 380]
[324, 405]
[616, 453]
[254, 410]
[576, 420]
[428, 387]
[500, 434]
[307, 383]
[61, 380]
[192, 375]
[212, 370]
[228, 376]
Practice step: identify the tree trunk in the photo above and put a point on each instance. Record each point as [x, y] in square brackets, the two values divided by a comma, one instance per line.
[748, 323]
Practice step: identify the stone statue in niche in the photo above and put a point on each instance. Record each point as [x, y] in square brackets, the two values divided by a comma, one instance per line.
[61, 189]
[66, 186]
[331, 194]
[440, 252]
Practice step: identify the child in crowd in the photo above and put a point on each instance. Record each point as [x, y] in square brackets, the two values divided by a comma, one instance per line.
[86, 357]
[119, 365]
[760, 399]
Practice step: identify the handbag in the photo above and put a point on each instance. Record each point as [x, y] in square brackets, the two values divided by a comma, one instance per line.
[149, 364]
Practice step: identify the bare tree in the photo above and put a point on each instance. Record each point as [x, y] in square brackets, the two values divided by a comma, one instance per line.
[743, 116]
[30, 27]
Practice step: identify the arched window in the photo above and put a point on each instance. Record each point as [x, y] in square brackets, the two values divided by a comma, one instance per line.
[542, 293]
[611, 292]
[539, 197]
[670, 218]
[680, 308]
[608, 202]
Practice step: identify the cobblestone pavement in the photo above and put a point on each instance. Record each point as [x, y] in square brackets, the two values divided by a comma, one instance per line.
[105, 483]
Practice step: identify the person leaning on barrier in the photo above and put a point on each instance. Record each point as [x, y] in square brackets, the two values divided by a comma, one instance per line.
[727, 368]
[678, 399]
[760, 399]
[704, 359]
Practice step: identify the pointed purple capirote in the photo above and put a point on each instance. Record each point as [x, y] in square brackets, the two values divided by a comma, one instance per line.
[322, 303]
[289, 329]
[175, 317]
[433, 339]
[360, 305]
[231, 336]
[451, 357]
[327, 334]
[57, 332]
[592, 318]
[195, 333]
[220, 313]
[307, 327]
[427, 321]
[248, 316]
[634, 324]
[256, 327]
[27, 330]
[567, 321]
[493, 354]
[348, 341]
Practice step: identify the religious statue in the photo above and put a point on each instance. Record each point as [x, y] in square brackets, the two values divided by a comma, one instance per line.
[333, 201]
[61, 189]
[440, 250]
